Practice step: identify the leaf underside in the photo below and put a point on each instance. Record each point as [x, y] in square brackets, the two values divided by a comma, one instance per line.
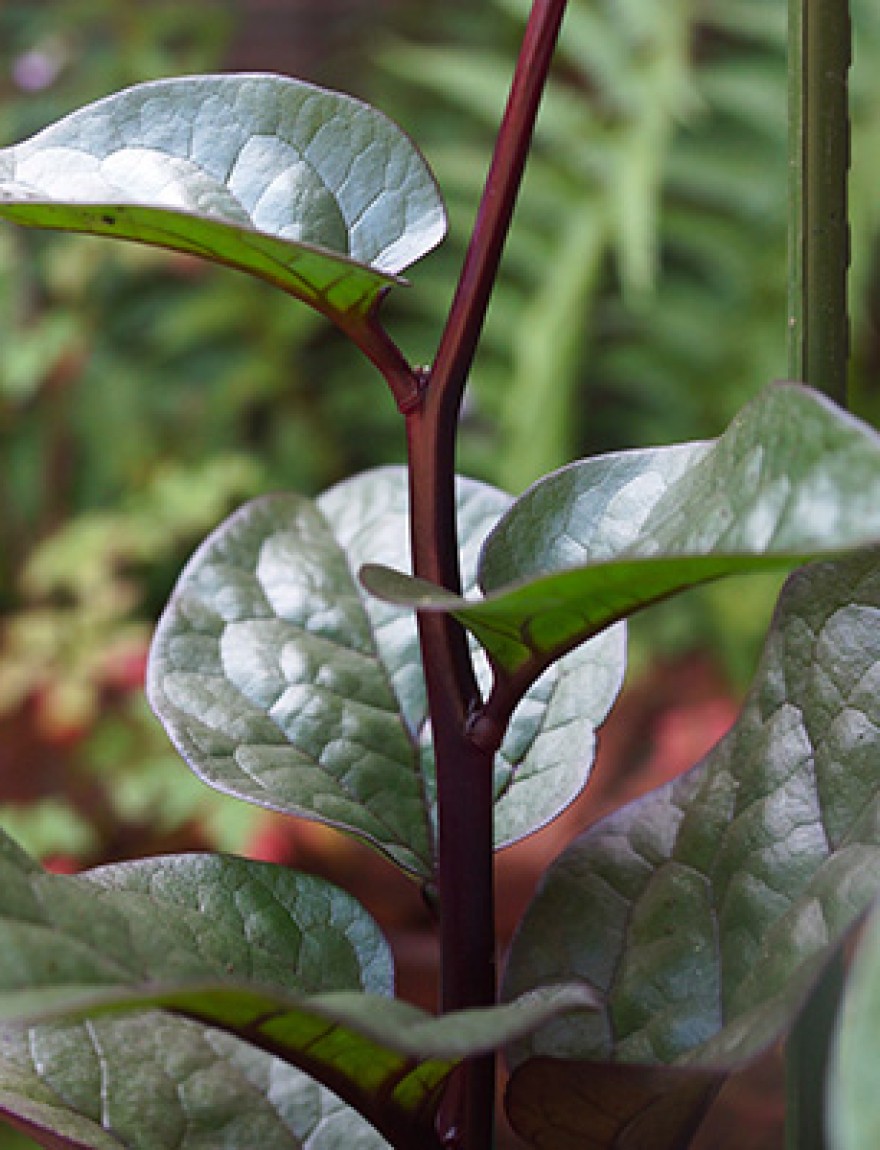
[283, 683]
[703, 914]
[791, 478]
[309, 189]
[594, 1106]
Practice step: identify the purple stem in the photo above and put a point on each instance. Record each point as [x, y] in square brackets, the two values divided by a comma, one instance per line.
[464, 765]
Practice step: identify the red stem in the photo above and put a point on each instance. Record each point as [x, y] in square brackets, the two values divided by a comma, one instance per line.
[365, 330]
[464, 765]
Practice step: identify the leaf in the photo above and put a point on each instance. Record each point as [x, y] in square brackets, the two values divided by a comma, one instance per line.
[186, 920]
[282, 683]
[703, 914]
[196, 918]
[791, 478]
[311, 190]
[387, 1060]
[383, 1057]
[595, 1105]
[285, 962]
[151, 1081]
[853, 1105]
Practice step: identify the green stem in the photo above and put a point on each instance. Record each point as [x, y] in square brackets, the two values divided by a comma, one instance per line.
[807, 1053]
[820, 49]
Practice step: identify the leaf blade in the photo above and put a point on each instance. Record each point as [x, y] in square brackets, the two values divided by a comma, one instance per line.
[282, 683]
[187, 1086]
[791, 478]
[274, 579]
[309, 189]
[725, 893]
[283, 962]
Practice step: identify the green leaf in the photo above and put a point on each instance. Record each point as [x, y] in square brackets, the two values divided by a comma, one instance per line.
[153, 1081]
[126, 930]
[281, 682]
[311, 190]
[792, 478]
[703, 914]
[285, 962]
[196, 918]
[853, 1103]
[384, 1058]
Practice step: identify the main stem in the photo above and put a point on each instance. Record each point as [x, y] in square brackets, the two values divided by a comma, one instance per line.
[464, 764]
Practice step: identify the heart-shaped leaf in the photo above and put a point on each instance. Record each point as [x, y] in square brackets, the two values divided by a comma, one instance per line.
[792, 478]
[703, 913]
[281, 682]
[311, 190]
[284, 961]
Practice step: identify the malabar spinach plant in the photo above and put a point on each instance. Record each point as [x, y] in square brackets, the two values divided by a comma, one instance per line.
[423, 662]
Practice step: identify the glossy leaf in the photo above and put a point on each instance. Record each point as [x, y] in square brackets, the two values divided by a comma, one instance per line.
[387, 1060]
[153, 1080]
[309, 189]
[181, 920]
[186, 922]
[281, 682]
[200, 917]
[285, 962]
[703, 914]
[792, 477]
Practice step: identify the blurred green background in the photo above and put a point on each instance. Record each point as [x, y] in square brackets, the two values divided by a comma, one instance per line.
[143, 395]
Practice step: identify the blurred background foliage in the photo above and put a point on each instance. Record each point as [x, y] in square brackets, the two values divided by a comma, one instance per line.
[143, 395]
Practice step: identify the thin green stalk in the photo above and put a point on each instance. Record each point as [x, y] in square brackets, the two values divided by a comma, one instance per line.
[820, 50]
[807, 1054]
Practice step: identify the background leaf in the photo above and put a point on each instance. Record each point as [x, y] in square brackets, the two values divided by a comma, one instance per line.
[704, 913]
[282, 683]
[791, 477]
[309, 189]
